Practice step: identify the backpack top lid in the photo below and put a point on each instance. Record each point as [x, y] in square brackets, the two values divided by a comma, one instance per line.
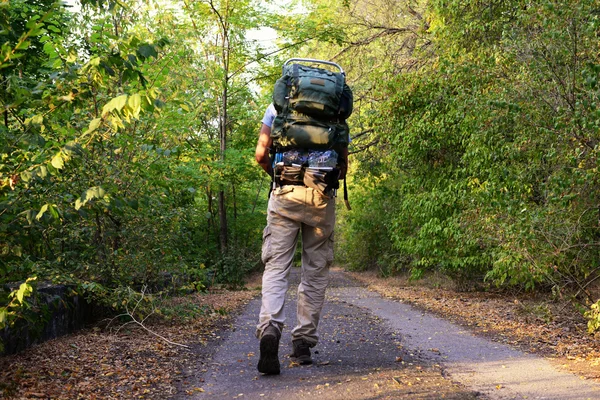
[310, 90]
[313, 61]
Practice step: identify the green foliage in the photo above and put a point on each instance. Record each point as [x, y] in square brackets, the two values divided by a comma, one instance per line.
[19, 306]
[127, 136]
[232, 268]
[364, 240]
[109, 153]
[476, 140]
[593, 317]
[183, 313]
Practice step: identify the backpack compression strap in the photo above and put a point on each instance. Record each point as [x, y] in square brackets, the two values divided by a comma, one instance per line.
[346, 196]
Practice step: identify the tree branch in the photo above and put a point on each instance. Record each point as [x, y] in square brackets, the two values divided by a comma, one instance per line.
[131, 313]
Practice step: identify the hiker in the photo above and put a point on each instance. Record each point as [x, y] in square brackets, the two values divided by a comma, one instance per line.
[306, 174]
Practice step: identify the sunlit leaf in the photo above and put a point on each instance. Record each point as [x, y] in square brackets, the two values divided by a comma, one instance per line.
[26, 176]
[3, 317]
[40, 214]
[135, 102]
[95, 192]
[94, 124]
[58, 161]
[25, 289]
[115, 104]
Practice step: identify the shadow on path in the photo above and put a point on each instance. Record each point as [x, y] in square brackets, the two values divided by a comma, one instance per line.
[359, 356]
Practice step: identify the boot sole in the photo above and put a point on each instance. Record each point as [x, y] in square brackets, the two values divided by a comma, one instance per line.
[302, 360]
[268, 362]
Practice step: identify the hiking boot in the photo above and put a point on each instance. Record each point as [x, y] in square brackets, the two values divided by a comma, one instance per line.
[268, 363]
[301, 353]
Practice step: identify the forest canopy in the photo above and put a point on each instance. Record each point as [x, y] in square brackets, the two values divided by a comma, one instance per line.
[127, 137]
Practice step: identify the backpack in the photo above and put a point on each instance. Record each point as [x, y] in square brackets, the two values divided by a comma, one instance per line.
[312, 107]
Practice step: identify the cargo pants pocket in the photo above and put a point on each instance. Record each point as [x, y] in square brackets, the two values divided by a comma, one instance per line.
[266, 252]
[330, 248]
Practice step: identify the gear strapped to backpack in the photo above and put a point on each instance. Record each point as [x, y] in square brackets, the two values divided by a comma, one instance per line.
[312, 107]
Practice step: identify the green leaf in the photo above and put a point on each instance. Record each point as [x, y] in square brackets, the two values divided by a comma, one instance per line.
[72, 149]
[94, 124]
[3, 317]
[57, 161]
[147, 50]
[17, 251]
[24, 291]
[135, 102]
[115, 104]
[40, 214]
[54, 211]
[29, 215]
[23, 45]
[95, 192]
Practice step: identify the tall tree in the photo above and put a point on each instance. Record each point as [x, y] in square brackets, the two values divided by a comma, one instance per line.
[222, 27]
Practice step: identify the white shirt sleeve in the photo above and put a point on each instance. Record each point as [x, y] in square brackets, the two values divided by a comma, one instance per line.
[270, 115]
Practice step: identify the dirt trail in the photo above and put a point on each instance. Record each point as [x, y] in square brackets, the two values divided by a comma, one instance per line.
[374, 348]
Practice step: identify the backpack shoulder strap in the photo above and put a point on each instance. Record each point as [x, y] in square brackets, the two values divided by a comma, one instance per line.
[339, 85]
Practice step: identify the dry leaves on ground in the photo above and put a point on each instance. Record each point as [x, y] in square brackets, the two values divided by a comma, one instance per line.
[99, 364]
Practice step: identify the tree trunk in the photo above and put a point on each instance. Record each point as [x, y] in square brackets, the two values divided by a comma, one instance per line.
[234, 202]
[209, 222]
[223, 222]
[222, 205]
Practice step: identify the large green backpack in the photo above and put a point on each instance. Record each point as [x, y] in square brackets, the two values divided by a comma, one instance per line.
[312, 106]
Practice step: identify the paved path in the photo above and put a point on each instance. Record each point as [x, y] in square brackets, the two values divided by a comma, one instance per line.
[375, 348]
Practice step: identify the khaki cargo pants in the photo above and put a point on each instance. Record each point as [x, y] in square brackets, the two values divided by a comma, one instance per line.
[295, 210]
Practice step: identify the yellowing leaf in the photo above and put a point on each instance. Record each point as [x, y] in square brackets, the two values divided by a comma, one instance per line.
[24, 290]
[37, 119]
[78, 204]
[95, 192]
[40, 214]
[135, 102]
[67, 97]
[115, 104]
[94, 124]
[58, 161]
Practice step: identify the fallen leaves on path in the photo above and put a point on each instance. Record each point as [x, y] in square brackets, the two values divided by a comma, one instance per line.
[97, 364]
[533, 323]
